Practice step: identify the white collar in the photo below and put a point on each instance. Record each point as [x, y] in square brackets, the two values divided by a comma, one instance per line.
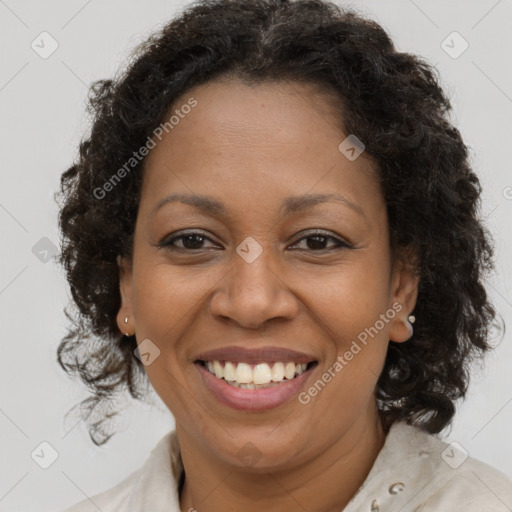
[411, 470]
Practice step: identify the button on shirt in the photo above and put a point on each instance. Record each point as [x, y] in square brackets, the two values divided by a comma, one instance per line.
[414, 472]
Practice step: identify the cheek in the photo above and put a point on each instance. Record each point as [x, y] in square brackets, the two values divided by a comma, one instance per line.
[349, 299]
[352, 310]
[347, 381]
[165, 297]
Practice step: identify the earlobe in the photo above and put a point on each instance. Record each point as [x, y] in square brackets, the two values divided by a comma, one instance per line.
[405, 292]
[125, 320]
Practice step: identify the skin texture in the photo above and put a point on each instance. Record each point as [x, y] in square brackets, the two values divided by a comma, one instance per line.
[251, 147]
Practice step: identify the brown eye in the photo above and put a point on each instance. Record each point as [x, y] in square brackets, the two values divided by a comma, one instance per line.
[316, 241]
[190, 241]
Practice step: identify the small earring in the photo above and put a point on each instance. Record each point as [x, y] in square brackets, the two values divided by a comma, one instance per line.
[411, 319]
[126, 321]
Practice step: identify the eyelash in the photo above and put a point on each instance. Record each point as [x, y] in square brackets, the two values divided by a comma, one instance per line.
[167, 242]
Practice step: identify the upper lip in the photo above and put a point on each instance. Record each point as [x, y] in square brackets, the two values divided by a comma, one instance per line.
[255, 355]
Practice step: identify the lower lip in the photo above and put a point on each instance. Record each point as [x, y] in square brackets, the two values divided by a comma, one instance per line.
[253, 399]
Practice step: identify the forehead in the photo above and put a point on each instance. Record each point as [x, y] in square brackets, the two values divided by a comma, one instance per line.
[253, 144]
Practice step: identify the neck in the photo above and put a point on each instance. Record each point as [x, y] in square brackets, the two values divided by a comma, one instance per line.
[323, 484]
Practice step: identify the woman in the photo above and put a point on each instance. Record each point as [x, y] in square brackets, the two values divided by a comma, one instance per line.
[269, 198]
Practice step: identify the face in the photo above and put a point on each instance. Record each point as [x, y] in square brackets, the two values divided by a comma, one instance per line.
[264, 273]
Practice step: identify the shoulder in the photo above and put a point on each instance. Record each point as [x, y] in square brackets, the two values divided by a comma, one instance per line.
[448, 477]
[418, 472]
[150, 487]
[109, 500]
[473, 486]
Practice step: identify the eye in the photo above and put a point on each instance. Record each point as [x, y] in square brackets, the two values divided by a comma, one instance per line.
[191, 240]
[194, 240]
[318, 239]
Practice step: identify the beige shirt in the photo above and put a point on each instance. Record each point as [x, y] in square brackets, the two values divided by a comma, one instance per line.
[413, 472]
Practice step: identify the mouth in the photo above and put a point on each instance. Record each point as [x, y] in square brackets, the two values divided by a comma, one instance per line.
[262, 375]
[254, 387]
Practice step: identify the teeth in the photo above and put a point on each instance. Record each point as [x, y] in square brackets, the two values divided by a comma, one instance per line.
[278, 372]
[245, 376]
[217, 368]
[253, 386]
[261, 374]
[243, 373]
[229, 371]
[289, 370]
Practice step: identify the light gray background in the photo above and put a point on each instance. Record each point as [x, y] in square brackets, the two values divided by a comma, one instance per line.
[42, 120]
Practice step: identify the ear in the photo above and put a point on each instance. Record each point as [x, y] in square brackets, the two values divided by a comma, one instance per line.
[404, 293]
[125, 289]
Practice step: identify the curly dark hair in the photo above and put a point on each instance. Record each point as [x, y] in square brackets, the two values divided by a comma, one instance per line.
[392, 101]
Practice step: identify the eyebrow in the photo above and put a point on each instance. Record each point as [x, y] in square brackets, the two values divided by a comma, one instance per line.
[292, 204]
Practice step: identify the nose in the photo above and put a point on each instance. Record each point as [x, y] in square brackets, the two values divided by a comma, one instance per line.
[251, 294]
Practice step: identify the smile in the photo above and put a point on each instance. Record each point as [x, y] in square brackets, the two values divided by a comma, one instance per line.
[255, 376]
[239, 385]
